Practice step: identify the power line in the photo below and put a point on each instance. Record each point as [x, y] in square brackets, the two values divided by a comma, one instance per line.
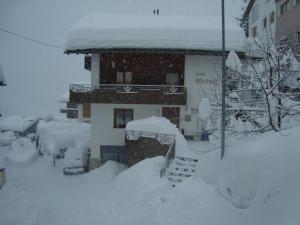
[31, 39]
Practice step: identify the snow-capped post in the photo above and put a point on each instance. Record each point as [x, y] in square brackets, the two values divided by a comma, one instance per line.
[223, 83]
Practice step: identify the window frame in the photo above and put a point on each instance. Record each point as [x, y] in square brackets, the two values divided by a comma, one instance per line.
[265, 23]
[124, 77]
[123, 113]
[272, 17]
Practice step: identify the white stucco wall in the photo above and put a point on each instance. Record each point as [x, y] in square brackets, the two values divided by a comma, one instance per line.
[264, 9]
[201, 79]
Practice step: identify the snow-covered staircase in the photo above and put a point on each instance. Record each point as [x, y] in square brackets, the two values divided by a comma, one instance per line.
[180, 169]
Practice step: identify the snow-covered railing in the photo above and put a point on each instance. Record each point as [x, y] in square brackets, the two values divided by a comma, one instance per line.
[129, 88]
[164, 139]
[80, 87]
[168, 158]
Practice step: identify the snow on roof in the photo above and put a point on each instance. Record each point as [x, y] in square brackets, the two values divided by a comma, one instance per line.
[17, 123]
[161, 125]
[64, 98]
[233, 61]
[104, 31]
[153, 124]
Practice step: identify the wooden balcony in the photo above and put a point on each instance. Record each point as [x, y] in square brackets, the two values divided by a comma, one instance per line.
[128, 94]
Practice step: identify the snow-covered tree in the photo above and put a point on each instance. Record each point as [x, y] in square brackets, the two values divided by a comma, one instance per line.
[268, 87]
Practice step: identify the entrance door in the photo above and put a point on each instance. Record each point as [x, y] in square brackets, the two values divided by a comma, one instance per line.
[172, 114]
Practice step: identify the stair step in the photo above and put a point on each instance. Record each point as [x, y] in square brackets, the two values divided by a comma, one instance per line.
[183, 169]
[174, 180]
[185, 164]
[180, 174]
[186, 159]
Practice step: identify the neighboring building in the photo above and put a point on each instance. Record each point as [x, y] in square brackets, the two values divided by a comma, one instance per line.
[288, 22]
[275, 18]
[75, 110]
[144, 66]
[260, 16]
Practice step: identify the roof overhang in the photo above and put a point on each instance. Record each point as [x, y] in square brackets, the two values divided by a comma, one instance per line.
[152, 50]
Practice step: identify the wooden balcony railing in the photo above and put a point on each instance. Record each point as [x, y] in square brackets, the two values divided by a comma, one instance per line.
[128, 94]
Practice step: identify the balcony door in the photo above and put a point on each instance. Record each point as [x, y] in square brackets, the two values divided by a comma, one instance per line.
[124, 77]
[172, 114]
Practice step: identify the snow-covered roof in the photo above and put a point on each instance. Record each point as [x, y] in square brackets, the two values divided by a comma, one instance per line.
[17, 123]
[153, 124]
[233, 62]
[108, 31]
[64, 98]
[248, 7]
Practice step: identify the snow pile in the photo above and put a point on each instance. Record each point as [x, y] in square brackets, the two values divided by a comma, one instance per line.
[148, 31]
[263, 173]
[161, 125]
[56, 135]
[204, 108]
[7, 137]
[22, 152]
[17, 123]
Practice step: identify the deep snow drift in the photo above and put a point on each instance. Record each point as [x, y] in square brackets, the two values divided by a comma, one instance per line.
[256, 183]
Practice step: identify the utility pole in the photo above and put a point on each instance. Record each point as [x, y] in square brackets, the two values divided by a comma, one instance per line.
[223, 83]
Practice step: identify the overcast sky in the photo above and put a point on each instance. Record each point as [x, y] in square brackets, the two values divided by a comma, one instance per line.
[38, 75]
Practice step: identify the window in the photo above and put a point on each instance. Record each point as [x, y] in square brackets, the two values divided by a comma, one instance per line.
[284, 7]
[265, 22]
[254, 31]
[271, 18]
[124, 77]
[172, 78]
[122, 117]
[298, 37]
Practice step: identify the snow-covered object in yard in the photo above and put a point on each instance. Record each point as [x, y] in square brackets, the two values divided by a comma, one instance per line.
[96, 31]
[22, 152]
[7, 137]
[233, 62]
[56, 135]
[17, 123]
[204, 108]
[160, 125]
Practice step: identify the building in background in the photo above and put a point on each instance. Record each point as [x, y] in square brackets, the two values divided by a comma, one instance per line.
[260, 18]
[288, 22]
[275, 19]
[81, 112]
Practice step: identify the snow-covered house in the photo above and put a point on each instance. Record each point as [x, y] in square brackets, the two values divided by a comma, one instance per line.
[75, 110]
[144, 66]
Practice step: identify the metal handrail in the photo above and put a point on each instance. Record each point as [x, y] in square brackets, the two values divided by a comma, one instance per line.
[168, 158]
[127, 87]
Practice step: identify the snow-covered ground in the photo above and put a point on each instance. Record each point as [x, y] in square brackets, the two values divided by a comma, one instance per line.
[256, 183]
